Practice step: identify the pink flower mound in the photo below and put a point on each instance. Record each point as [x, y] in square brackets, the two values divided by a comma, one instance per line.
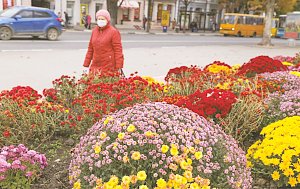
[261, 64]
[146, 128]
[18, 162]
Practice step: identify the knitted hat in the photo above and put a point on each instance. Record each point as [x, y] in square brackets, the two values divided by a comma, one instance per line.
[103, 13]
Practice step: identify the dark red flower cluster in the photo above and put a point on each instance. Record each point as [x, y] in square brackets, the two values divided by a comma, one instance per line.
[261, 64]
[50, 94]
[180, 72]
[219, 63]
[21, 95]
[209, 103]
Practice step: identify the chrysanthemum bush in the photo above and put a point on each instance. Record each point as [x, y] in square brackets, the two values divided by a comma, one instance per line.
[277, 155]
[217, 67]
[157, 145]
[25, 118]
[259, 65]
[283, 105]
[210, 103]
[285, 102]
[284, 80]
[187, 81]
[19, 166]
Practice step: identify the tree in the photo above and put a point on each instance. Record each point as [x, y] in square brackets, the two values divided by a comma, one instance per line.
[186, 3]
[269, 6]
[112, 7]
[266, 40]
[149, 16]
[281, 6]
[231, 6]
[297, 5]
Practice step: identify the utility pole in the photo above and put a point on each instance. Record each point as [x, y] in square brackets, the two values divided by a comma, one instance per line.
[149, 16]
[205, 12]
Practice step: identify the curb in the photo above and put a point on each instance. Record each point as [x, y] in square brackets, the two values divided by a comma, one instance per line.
[155, 33]
[178, 34]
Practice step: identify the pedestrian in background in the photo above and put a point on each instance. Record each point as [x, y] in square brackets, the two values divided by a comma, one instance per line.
[104, 54]
[144, 22]
[88, 21]
[173, 24]
[66, 19]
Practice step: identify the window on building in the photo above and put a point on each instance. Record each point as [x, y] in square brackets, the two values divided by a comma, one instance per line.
[38, 14]
[8, 3]
[137, 13]
[41, 3]
[159, 12]
[70, 8]
[126, 14]
[99, 6]
[169, 8]
[26, 14]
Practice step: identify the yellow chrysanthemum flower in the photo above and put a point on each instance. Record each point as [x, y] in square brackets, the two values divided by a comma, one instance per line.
[183, 165]
[143, 187]
[287, 64]
[113, 180]
[131, 128]
[126, 180]
[194, 186]
[97, 149]
[164, 149]
[125, 159]
[188, 175]
[141, 175]
[149, 134]
[198, 155]
[161, 183]
[174, 151]
[77, 185]
[103, 135]
[136, 156]
[121, 136]
[295, 73]
[292, 181]
[108, 119]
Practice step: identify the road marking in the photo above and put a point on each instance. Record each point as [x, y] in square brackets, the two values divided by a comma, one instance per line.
[28, 50]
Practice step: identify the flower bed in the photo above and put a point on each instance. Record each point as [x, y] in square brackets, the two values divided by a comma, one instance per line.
[237, 100]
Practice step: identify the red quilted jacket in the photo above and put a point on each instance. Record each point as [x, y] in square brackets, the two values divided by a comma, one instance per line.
[105, 52]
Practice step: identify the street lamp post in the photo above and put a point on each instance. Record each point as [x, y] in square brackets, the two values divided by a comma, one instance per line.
[205, 12]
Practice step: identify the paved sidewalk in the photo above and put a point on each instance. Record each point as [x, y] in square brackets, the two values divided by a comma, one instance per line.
[154, 31]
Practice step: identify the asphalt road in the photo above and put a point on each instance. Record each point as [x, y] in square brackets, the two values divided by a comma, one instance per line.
[71, 40]
[37, 63]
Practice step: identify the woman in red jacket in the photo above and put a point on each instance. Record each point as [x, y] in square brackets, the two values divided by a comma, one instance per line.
[105, 54]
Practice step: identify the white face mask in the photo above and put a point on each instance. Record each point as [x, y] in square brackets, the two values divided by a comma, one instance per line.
[101, 23]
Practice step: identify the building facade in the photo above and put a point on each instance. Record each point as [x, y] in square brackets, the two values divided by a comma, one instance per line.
[131, 12]
[204, 13]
